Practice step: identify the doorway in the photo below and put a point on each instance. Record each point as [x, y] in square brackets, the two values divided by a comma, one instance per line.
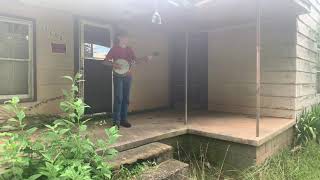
[97, 90]
[197, 70]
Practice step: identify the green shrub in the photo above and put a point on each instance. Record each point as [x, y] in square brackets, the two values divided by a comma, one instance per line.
[63, 151]
[301, 164]
[308, 125]
[16, 148]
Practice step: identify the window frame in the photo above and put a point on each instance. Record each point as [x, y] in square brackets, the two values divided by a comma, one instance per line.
[318, 70]
[318, 81]
[32, 90]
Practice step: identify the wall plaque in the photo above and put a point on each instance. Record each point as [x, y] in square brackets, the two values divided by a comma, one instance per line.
[58, 48]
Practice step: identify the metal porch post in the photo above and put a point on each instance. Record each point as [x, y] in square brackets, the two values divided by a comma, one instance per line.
[186, 78]
[258, 70]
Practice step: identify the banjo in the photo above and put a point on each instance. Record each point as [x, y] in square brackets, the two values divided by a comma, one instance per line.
[124, 66]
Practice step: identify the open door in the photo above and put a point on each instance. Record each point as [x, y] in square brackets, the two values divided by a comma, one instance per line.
[197, 70]
[96, 41]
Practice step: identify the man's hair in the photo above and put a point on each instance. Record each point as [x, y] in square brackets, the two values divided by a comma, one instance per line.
[120, 33]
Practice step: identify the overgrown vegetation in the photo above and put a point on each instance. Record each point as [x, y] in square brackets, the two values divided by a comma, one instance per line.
[63, 151]
[308, 126]
[133, 172]
[301, 164]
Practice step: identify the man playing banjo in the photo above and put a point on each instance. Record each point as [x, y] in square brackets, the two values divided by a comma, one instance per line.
[122, 57]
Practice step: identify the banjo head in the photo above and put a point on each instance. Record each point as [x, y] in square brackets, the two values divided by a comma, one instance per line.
[124, 67]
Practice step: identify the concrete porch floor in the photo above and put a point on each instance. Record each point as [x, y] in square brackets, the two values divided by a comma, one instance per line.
[159, 125]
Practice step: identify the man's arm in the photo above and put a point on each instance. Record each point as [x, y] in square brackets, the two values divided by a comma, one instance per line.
[108, 60]
[132, 55]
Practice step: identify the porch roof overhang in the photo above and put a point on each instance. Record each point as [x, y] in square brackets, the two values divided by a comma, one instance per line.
[214, 14]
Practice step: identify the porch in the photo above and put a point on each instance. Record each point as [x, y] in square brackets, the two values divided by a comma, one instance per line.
[214, 129]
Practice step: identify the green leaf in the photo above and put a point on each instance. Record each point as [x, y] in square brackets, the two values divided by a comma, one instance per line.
[68, 77]
[111, 153]
[75, 88]
[85, 121]
[8, 127]
[21, 115]
[13, 120]
[32, 130]
[314, 136]
[82, 128]
[34, 177]
[15, 100]
[78, 76]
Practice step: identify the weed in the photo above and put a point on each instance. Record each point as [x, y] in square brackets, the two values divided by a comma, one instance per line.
[133, 172]
[63, 151]
[308, 125]
[294, 165]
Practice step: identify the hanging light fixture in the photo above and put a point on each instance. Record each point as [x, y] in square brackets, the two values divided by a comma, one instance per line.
[156, 17]
[188, 3]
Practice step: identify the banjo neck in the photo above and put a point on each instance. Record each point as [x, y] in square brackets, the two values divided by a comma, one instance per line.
[145, 58]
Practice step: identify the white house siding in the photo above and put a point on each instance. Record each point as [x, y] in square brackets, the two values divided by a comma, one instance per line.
[150, 86]
[307, 61]
[232, 68]
[49, 67]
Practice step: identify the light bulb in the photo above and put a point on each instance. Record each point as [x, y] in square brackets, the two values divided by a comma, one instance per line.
[156, 18]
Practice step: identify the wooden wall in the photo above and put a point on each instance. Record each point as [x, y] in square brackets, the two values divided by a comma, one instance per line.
[232, 68]
[150, 86]
[50, 67]
[307, 59]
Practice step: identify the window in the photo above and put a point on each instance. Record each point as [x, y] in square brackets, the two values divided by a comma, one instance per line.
[318, 82]
[16, 58]
[94, 51]
[97, 42]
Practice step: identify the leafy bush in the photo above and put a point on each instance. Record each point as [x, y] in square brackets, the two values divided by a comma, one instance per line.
[63, 151]
[16, 148]
[308, 125]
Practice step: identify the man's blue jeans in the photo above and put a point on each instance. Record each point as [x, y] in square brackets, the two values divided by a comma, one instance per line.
[122, 87]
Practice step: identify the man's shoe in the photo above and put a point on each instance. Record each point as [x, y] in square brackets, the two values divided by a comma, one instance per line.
[125, 124]
[116, 124]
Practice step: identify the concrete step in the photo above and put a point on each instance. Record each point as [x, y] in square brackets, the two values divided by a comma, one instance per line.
[156, 151]
[167, 170]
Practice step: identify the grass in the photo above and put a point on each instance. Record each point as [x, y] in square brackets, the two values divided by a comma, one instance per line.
[133, 172]
[200, 167]
[300, 164]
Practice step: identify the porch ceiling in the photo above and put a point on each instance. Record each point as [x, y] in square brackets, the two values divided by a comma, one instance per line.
[215, 14]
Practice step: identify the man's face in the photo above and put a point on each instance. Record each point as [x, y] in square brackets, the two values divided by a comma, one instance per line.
[124, 40]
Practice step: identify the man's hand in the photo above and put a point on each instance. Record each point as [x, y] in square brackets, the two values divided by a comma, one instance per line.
[148, 58]
[107, 62]
[116, 66]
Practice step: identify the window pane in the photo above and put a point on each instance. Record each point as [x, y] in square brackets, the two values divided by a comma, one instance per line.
[100, 52]
[14, 77]
[94, 51]
[14, 40]
[15, 62]
[318, 82]
[5, 77]
[97, 42]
